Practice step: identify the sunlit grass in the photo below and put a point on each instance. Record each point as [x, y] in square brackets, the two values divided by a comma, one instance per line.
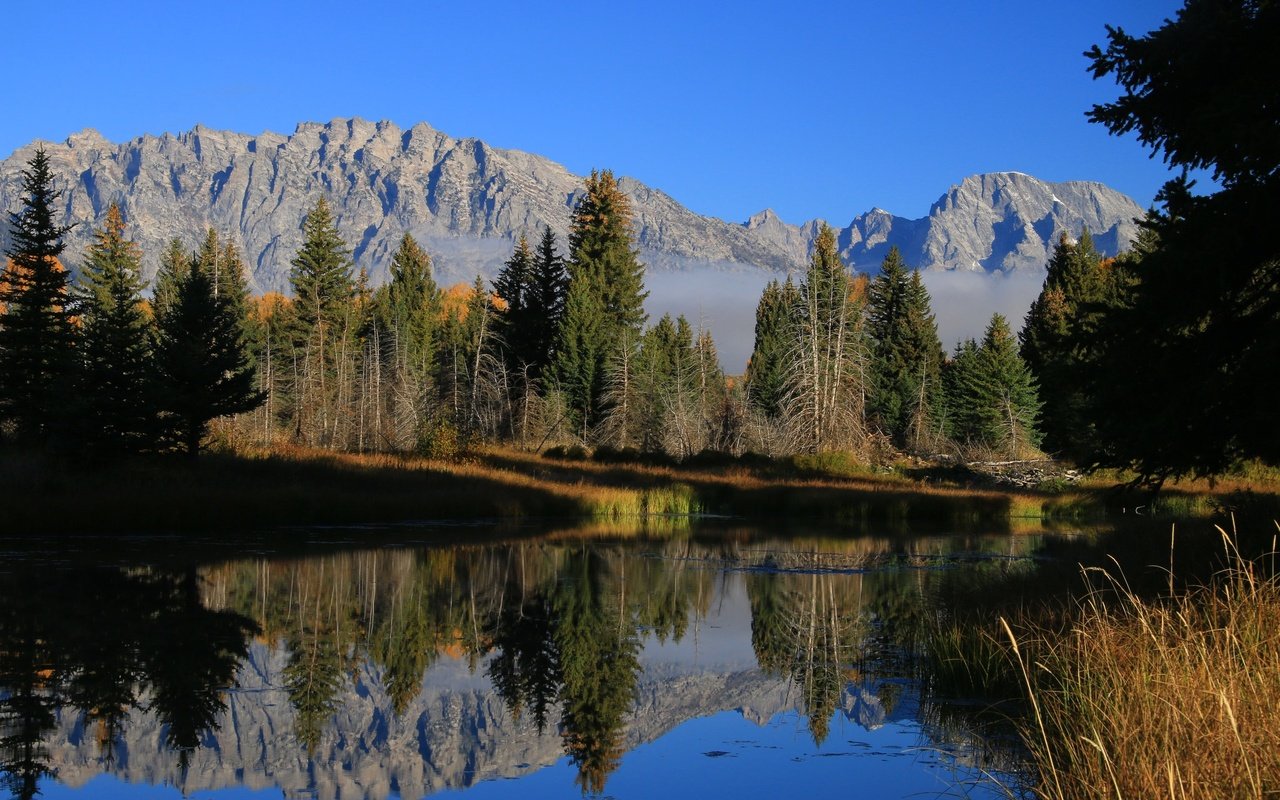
[1174, 697]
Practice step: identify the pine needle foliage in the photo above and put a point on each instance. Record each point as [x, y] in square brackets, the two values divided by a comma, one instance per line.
[202, 361]
[992, 399]
[116, 338]
[827, 378]
[774, 335]
[37, 336]
[907, 354]
[606, 294]
[1057, 342]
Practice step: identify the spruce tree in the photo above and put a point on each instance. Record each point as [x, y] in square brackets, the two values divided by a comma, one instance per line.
[175, 263]
[1006, 404]
[514, 286]
[906, 353]
[1058, 342]
[117, 334]
[608, 279]
[712, 395]
[409, 307]
[1200, 334]
[321, 271]
[201, 361]
[37, 337]
[961, 380]
[774, 345]
[225, 268]
[323, 289]
[827, 380]
[546, 298]
[926, 356]
[580, 354]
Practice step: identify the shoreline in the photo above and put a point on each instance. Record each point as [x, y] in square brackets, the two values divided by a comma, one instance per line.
[263, 489]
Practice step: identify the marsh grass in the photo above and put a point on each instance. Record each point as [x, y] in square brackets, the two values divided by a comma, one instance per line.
[1172, 697]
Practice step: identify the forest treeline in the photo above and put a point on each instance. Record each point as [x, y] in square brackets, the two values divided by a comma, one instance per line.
[555, 352]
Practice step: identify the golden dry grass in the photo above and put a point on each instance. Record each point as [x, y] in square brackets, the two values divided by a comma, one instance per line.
[1173, 698]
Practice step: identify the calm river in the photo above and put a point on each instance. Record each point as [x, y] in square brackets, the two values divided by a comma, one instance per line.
[704, 661]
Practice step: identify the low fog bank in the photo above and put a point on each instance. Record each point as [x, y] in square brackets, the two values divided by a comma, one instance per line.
[725, 302]
[963, 302]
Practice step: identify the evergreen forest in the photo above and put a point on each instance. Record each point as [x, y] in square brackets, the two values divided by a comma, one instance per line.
[557, 351]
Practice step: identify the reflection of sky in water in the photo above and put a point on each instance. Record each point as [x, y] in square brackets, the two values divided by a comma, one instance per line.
[724, 755]
[722, 641]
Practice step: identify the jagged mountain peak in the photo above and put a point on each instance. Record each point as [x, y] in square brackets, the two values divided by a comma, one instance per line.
[766, 217]
[467, 202]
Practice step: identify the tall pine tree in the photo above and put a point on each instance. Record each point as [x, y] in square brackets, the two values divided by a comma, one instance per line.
[992, 400]
[117, 334]
[606, 282]
[1201, 331]
[321, 271]
[175, 263]
[202, 361]
[323, 289]
[409, 307]
[827, 379]
[907, 355]
[546, 296]
[774, 346]
[1057, 342]
[37, 337]
[960, 390]
[514, 286]
[225, 268]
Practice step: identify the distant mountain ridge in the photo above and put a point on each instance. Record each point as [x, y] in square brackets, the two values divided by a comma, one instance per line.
[467, 202]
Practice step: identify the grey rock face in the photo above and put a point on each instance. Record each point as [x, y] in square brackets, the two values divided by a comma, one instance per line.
[467, 202]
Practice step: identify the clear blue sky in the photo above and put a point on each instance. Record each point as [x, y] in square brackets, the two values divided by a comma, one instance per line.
[816, 109]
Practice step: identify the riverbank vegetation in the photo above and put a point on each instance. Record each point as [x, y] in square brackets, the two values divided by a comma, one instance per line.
[1167, 697]
[1123, 678]
[261, 488]
[849, 409]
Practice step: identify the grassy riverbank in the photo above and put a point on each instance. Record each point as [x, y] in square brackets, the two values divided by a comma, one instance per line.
[293, 486]
[1141, 664]
[1172, 697]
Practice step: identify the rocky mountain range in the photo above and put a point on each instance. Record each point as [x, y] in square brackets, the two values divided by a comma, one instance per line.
[467, 202]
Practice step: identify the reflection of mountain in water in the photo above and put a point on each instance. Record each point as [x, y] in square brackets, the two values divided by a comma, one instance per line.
[455, 733]
[412, 671]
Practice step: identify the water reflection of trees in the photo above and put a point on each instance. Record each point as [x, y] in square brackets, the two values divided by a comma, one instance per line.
[819, 629]
[558, 628]
[104, 641]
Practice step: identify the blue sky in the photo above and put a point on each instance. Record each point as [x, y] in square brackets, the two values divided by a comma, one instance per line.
[816, 109]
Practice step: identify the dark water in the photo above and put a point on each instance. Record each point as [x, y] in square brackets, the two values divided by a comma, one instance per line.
[627, 664]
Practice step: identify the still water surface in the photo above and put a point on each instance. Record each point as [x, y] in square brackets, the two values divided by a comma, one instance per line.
[725, 660]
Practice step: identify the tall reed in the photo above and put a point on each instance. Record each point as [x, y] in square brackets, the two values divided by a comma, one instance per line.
[1176, 697]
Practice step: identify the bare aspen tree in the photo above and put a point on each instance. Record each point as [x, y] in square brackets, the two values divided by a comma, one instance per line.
[827, 376]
